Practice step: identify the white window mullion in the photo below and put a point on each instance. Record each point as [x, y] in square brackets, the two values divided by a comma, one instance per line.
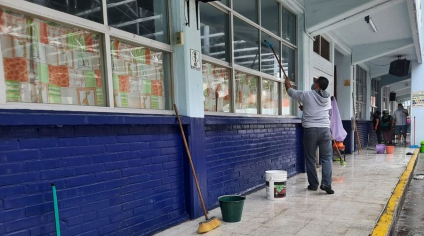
[108, 71]
[104, 6]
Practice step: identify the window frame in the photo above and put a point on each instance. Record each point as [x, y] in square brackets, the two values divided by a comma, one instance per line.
[233, 66]
[106, 32]
[361, 79]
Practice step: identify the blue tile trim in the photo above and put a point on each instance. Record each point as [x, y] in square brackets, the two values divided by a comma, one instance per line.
[229, 120]
[30, 117]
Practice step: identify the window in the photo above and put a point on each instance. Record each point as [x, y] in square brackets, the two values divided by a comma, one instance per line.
[247, 8]
[147, 18]
[214, 32]
[269, 64]
[288, 62]
[139, 76]
[289, 26]
[269, 16]
[216, 88]
[322, 47]
[270, 98]
[246, 93]
[87, 9]
[47, 62]
[246, 44]
[257, 79]
[361, 92]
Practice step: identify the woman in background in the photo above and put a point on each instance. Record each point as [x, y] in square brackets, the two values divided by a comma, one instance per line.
[386, 127]
[377, 125]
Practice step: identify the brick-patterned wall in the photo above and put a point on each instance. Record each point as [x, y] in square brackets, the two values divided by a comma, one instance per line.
[364, 128]
[111, 180]
[237, 156]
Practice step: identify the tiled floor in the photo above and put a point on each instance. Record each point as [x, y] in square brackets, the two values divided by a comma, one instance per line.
[362, 189]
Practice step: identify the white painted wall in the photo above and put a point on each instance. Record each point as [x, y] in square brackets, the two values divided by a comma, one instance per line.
[344, 93]
[322, 67]
[188, 83]
[417, 85]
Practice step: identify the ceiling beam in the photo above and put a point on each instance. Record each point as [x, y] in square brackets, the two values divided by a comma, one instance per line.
[367, 52]
[412, 10]
[325, 15]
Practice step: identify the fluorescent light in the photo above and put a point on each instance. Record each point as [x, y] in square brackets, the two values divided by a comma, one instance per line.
[371, 23]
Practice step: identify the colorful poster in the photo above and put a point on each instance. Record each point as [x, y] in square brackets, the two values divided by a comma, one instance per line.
[137, 82]
[45, 62]
[418, 99]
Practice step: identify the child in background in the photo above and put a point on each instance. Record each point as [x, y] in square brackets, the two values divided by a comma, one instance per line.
[386, 127]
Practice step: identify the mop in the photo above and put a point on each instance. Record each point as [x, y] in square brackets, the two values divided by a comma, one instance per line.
[414, 146]
[212, 222]
[337, 131]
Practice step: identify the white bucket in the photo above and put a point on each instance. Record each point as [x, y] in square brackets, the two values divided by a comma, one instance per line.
[276, 184]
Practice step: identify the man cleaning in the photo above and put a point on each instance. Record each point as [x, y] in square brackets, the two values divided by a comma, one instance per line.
[316, 122]
[399, 119]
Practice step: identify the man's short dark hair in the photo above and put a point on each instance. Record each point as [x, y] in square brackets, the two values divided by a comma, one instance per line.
[322, 82]
[400, 105]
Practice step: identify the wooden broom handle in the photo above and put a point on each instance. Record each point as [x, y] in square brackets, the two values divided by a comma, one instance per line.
[191, 163]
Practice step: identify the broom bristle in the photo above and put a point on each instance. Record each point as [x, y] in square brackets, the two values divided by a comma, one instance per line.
[208, 225]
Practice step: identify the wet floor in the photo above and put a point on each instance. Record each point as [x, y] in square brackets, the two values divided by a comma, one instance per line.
[362, 189]
[411, 218]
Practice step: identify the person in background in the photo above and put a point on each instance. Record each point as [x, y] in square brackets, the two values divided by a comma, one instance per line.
[386, 127]
[399, 119]
[316, 122]
[376, 123]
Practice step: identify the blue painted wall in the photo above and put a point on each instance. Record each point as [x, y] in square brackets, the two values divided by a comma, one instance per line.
[111, 179]
[348, 142]
[364, 128]
[238, 152]
[128, 174]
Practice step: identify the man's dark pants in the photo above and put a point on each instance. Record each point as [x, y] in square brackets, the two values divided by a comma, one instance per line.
[313, 138]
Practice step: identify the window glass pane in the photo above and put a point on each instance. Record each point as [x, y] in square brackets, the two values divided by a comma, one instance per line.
[216, 88]
[246, 93]
[246, 49]
[269, 64]
[140, 76]
[269, 15]
[225, 2]
[269, 97]
[288, 61]
[87, 9]
[147, 18]
[289, 104]
[247, 8]
[289, 26]
[214, 32]
[45, 62]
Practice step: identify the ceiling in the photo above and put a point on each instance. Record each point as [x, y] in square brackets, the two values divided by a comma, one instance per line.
[393, 25]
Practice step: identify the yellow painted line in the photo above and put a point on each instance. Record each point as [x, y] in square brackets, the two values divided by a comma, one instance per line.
[386, 219]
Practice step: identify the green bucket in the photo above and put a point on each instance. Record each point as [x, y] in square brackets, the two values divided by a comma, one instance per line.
[231, 207]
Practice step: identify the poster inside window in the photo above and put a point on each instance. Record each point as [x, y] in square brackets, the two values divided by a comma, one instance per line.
[269, 97]
[216, 88]
[138, 76]
[46, 62]
[246, 93]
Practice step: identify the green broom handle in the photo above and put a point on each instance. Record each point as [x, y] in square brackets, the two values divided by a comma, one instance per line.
[56, 210]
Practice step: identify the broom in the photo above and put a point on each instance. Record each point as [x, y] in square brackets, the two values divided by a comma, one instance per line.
[212, 222]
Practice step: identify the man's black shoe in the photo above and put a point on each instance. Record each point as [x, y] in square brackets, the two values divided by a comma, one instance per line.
[312, 188]
[327, 189]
